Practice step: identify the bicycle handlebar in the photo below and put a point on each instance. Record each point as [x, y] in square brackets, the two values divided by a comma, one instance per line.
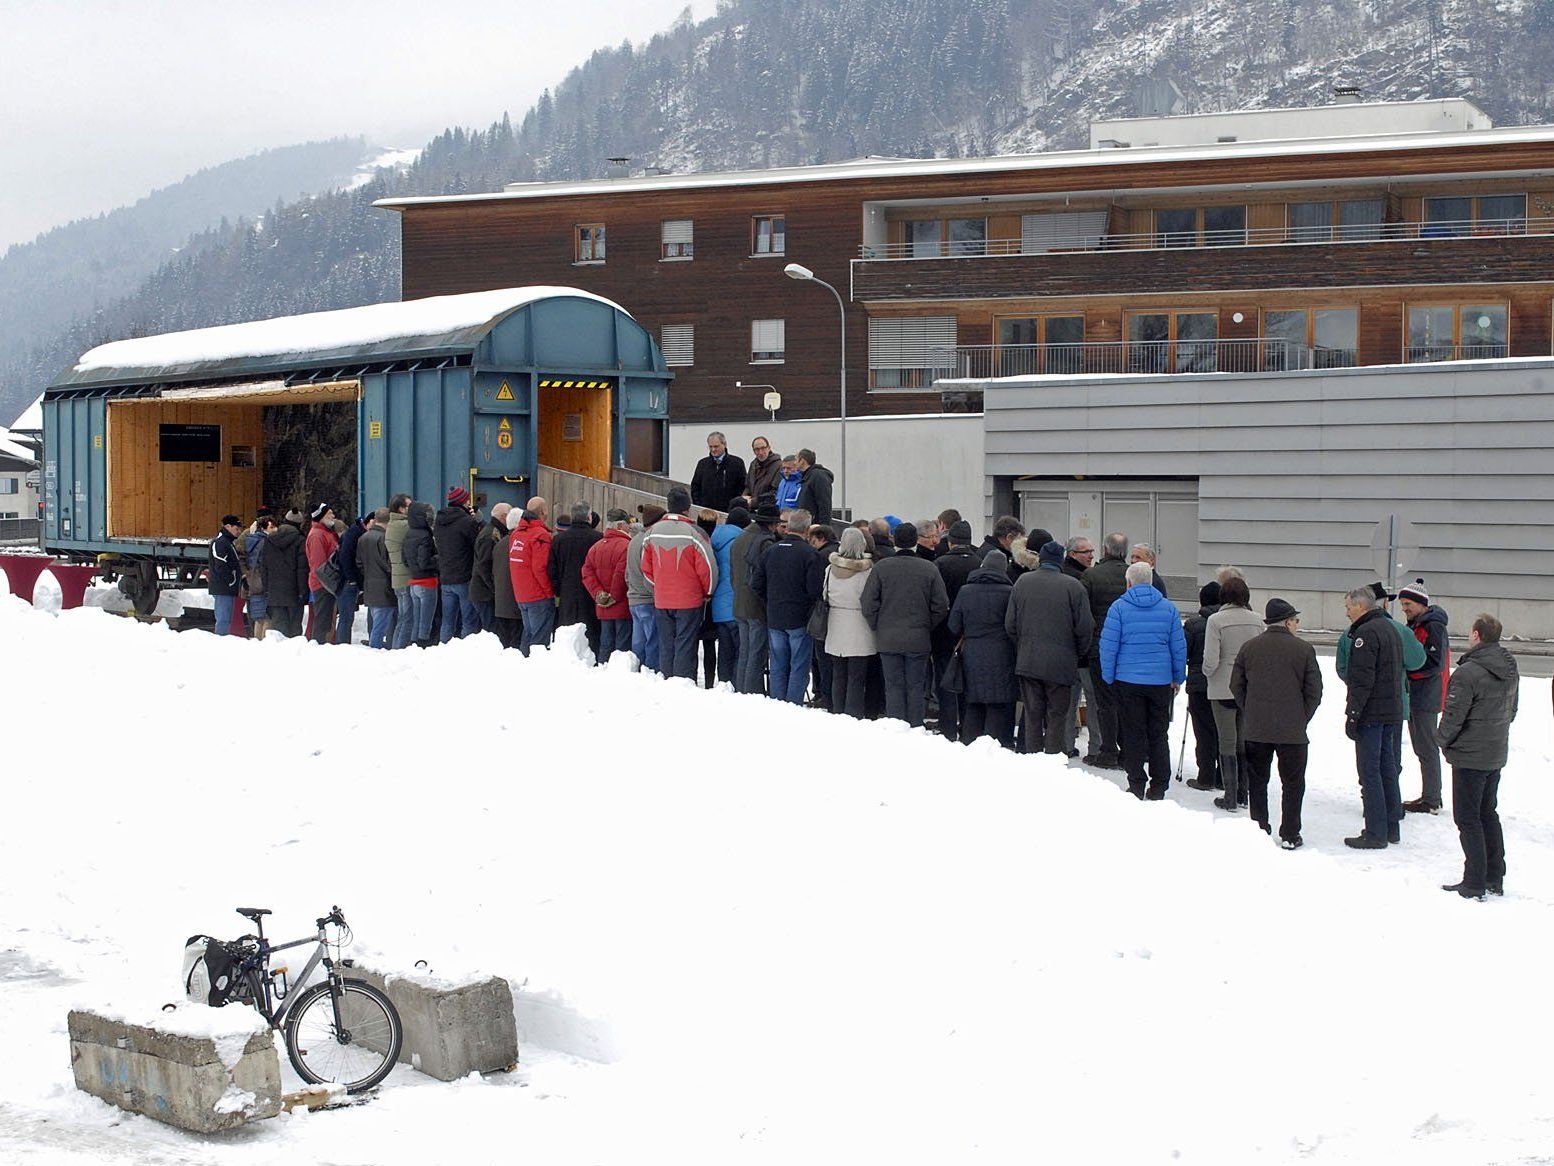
[335, 916]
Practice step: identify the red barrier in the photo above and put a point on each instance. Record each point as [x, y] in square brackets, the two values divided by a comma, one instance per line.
[22, 572]
[73, 580]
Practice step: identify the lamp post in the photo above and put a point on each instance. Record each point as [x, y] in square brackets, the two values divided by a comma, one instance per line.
[796, 271]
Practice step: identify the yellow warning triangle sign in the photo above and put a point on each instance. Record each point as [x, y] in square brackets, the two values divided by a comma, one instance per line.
[505, 424]
[504, 393]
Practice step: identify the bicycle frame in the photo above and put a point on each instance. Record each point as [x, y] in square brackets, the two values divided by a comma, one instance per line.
[261, 987]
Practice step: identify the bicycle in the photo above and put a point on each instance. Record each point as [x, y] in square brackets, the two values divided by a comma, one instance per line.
[339, 1031]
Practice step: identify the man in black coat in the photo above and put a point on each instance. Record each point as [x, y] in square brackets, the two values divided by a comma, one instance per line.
[1078, 557]
[567, 551]
[371, 560]
[787, 581]
[1278, 686]
[1049, 621]
[719, 477]
[955, 566]
[1005, 531]
[1371, 715]
[1475, 733]
[285, 569]
[482, 581]
[1199, 710]
[455, 532]
[814, 487]
[1104, 584]
[350, 592]
[225, 576]
[1426, 692]
[903, 601]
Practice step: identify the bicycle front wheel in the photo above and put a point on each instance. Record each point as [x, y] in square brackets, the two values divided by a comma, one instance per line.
[356, 1050]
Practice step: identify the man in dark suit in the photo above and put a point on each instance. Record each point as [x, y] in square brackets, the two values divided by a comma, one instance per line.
[719, 477]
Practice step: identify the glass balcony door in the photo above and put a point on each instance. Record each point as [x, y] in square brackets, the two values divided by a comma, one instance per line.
[1040, 345]
[1173, 342]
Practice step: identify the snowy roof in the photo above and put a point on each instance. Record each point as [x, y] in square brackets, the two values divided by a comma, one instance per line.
[874, 168]
[12, 449]
[31, 417]
[377, 331]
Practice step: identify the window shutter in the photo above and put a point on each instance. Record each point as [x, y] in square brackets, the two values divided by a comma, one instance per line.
[677, 230]
[679, 345]
[767, 336]
[912, 342]
[1062, 229]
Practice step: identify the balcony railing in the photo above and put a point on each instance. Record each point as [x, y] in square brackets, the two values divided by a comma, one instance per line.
[1243, 237]
[1430, 353]
[1246, 354]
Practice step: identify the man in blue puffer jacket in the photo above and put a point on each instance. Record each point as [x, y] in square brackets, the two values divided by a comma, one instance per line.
[1144, 656]
[721, 612]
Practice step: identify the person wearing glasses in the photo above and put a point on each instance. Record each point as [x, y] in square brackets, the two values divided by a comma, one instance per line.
[1278, 686]
[765, 469]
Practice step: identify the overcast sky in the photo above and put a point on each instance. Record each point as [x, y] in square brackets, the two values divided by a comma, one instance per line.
[102, 101]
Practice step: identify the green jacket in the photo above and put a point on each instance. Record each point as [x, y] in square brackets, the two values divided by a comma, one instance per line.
[1413, 656]
[394, 539]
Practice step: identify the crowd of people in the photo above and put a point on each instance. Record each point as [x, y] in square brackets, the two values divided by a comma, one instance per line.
[1019, 638]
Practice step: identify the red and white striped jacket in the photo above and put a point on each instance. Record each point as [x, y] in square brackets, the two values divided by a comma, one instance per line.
[677, 559]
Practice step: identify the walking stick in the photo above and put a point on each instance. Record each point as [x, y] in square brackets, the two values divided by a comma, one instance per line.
[1181, 754]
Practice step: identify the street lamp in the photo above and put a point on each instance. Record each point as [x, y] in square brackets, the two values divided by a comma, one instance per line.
[797, 271]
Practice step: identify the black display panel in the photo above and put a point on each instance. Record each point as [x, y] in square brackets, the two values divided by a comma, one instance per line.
[190, 443]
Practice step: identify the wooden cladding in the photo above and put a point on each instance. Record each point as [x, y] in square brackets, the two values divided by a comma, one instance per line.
[1518, 258]
[150, 498]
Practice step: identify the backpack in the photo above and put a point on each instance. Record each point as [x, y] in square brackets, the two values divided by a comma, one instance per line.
[329, 573]
[210, 970]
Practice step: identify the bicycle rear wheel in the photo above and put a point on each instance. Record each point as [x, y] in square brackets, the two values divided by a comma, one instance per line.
[359, 1051]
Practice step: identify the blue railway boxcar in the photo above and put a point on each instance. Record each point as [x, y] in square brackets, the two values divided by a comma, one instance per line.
[148, 442]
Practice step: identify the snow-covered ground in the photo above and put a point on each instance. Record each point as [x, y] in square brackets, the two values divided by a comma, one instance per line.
[746, 932]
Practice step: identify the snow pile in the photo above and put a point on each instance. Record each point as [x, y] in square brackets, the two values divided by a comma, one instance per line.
[775, 935]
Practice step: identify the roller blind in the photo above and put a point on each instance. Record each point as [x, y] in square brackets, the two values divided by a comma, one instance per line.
[677, 230]
[1062, 229]
[679, 345]
[766, 336]
[911, 342]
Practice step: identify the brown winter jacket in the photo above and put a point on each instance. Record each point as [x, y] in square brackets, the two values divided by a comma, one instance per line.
[1278, 685]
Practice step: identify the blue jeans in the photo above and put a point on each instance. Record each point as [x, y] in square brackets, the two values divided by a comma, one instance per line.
[404, 623]
[345, 611]
[380, 626]
[460, 617]
[644, 635]
[424, 601]
[679, 631]
[790, 663]
[1379, 791]
[615, 635]
[539, 624]
[750, 675]
[906, 685]
[224, 605]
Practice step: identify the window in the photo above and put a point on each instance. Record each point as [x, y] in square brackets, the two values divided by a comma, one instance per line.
[1446, 332]
[1493, 214]
[1310, 222]
[590, 243]
[923, 237]
[1062, 231]
[678, 240]
[910, 352]
[678, 342]
[10, 486]
[1214, 226]
[1320, 222]
[766, 341]
[1037, 345]
[1310, 338]
[1173, 342]
[1361, 218]
[967, 236]
[769, 235]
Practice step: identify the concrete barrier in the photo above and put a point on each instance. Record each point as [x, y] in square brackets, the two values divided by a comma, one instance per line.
[198, 1073]
[452, 1027]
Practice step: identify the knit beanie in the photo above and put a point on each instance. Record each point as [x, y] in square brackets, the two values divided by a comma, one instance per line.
[1208, 594]
[1416, 592]
[457, 495]
[995, 561]
[1052, 552]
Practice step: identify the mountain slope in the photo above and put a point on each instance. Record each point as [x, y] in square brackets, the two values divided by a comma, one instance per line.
[784, 82]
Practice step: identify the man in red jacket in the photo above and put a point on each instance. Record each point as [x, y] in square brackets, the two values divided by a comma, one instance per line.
[528, 558]
[322, 541]
[677, 560]
[604, 577]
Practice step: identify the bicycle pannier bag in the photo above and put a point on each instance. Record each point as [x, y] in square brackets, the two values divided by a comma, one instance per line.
[209, 970]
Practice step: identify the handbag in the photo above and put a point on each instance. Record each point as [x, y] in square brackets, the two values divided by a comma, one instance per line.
[954, 677]
[329, 573]
[820, 614]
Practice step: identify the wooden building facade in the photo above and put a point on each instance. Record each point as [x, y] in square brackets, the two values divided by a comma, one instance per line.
[1272, 255]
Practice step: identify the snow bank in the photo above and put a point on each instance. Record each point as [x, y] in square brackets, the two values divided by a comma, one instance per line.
[793, 937]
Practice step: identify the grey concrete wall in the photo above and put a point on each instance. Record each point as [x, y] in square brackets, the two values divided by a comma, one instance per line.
[1294, 470]
[452, 1030]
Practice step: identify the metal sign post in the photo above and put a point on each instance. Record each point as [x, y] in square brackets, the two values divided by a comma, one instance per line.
[1395, 547]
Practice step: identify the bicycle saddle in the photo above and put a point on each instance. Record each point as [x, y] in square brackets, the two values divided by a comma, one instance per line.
[252, 912]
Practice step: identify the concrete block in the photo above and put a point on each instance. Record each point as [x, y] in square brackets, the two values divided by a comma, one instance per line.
[452, 1028]
[201, 1083]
